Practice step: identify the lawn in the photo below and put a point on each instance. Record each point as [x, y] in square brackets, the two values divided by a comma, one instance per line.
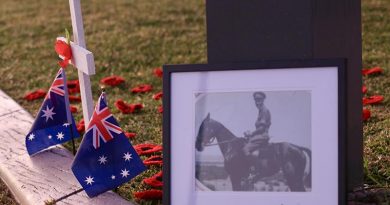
[130, 38]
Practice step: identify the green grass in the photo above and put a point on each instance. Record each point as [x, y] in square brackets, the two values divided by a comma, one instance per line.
[131, 37]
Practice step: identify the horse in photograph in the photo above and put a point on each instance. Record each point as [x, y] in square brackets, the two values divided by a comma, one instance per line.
[294, 161]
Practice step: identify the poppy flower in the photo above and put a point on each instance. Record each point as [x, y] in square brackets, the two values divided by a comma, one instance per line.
[64, 51]
[112, 80]
[30, 96]
[160, 109]
[73, 98]
[364, 89]
[366, 114]
[154, 181]
[158, 96]
[73, 109]
[128, 108]
[370, 71]
[375, 99]
[152, 194]
[145, 149]
[158, 72]
[81, 126]
[144, 88]
[73, 86]
[130, 135]
[154, 160]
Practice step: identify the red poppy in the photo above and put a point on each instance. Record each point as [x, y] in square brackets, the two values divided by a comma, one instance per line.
[160, 109]
[374, 70]
[366, 114]
[73, 98]
[158, 96]
[73, 109]
[128, 108]
[154, 160]
[158, 72]
[112, 80]
[81, 126]
[145, 149]
[130, 135]
[144, 88]
[364, 89]
[152, 194]
[375, 99]
[73, 86]
[154, 181]
[30, 96]
[64, 51]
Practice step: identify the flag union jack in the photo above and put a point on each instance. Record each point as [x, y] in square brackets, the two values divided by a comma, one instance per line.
[102, 124]
[58, 85]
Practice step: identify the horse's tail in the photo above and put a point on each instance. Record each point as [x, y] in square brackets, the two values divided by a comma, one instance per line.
[307, 173]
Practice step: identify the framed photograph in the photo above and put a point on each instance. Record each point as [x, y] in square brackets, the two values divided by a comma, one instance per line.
[265, 133]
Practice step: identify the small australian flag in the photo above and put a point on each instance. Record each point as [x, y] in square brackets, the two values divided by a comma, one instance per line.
[105, 158]
[54, 122]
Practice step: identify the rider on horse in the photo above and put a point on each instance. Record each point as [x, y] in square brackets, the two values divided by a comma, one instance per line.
[259, 138]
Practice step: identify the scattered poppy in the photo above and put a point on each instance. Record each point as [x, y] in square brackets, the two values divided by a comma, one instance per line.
[64, 51]
[154, 181]
[364, 89]
[160, 109]
[154, 160]
[145, 149]
[73, 86]
[112, 80]
[81, 126]
[375, 70]
[158, 72]
[158, 96]
[73, 109]
[366, 114]
[144, 88]
[375, 99]
[128, 108]
[30, 96]
[73, 98]
[130, 135]
[152, 194]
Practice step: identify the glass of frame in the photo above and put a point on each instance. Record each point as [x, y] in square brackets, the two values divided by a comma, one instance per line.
[266, 133]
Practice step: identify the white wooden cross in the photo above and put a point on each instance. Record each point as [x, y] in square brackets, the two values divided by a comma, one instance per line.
[82, 59]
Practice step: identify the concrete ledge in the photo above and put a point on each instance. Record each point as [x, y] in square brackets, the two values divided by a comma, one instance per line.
[44, 176]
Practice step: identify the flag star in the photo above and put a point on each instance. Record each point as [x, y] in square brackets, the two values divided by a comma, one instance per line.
[48, 113]
[127, 156]
[113, 177]
[49, 136]
[66, 124]
[60, 136]
[31, 137]
[125, 173]
[89, 180]
[102, 159]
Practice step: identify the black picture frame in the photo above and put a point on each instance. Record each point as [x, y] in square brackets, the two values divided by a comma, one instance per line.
[269, 65]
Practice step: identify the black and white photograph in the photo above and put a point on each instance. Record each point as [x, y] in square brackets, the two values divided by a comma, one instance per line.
[253, 141]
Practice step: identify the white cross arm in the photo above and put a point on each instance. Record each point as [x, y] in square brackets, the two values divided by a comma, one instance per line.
[81, 58]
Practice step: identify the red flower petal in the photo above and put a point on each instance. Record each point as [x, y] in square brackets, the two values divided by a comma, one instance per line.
[73, 109]
[64, 51]
[375, 99]
[145, 149]
[152, 194]
[30, 96]
[154, 181]
[158, 96]
[112, 80]
[366, 114]
[370, 71]
[73, 98]
[73, 86]
[154, 160]
[81, 126]
[142, 88]
[160, 109]
[128, 108]
[158, 72]
[364, 89]
[130, 135]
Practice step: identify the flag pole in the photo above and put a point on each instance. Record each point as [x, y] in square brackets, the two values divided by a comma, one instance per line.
[54, 201]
